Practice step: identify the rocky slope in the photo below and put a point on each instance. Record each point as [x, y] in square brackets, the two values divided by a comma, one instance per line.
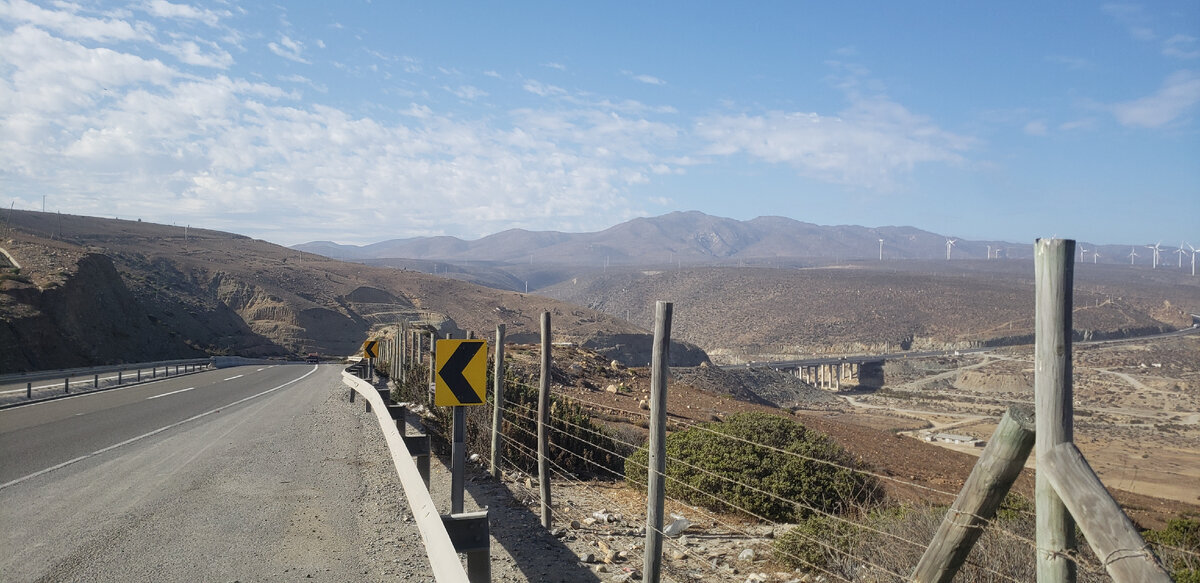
[92, 291]
[741, 314]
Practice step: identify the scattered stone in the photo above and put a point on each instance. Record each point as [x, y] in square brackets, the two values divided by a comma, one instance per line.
[677, 526]
[644, 404]
[575, 524]
[611, 388]
[615, 365]
[747, 555]
[678, 555]
[588, 558]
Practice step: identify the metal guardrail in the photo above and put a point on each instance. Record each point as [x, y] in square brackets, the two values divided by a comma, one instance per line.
[442, 553]
[20, 389]
[45, 375]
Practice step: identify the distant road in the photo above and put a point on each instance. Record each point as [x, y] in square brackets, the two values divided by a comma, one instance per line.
[861, 358]
[248, 473]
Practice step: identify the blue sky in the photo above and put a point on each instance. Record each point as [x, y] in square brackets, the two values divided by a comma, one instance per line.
[358, 122]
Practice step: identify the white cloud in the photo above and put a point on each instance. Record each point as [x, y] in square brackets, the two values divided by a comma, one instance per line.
[869, 145]
[1071, 62]
[543, 89]
[1086, 123]
[1181, 46]
[558, 66]
[289, 49]
[467, 92]
[68, 23]
[190, 53]
[1179, 93]
[649, 80]
[164, 9]
[1036, 128]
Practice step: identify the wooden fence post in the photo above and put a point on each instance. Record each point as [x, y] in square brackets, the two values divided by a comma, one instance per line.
[497, 399]
[1053, 278]
[543, 421]
[657, 463]
[993, 475]
[1126, 556]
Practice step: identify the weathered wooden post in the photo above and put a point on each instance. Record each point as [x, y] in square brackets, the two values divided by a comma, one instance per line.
[1126, 556]
[656, 481]
[543, 422]
[28, 390]
[497, 399]
[67, 385]
[1054, 271]
[993, 475]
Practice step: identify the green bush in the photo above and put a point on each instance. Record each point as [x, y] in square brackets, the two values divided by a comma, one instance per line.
[814, 542]
[578, 445]
[728, 466]
[1173, 544]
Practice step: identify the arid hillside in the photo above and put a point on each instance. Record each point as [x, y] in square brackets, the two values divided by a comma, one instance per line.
[748, 313]
[86, 290]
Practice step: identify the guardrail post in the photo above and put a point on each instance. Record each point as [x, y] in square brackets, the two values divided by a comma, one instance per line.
[418, 447]
[659, 370]
[96, 381]
[1054, 272]
[544, 422]
[28, 390]
[119, 379]
[469, 533]
[497, 399]
[67, 385]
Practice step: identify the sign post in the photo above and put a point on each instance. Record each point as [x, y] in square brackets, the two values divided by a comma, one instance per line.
[461, 380]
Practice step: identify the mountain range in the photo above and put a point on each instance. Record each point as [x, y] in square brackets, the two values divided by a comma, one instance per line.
[695, 238]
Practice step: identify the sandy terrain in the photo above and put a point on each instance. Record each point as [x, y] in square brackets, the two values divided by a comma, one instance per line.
[1137, 407]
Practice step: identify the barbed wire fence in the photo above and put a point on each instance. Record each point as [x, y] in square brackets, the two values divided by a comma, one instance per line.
[881, 542]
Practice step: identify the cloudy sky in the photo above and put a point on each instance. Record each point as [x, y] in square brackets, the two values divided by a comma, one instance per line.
[358, 122]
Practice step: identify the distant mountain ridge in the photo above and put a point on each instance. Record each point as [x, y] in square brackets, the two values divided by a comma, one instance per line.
[685, 237]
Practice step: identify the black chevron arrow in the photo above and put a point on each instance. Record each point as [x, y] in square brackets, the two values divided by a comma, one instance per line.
[452, 373]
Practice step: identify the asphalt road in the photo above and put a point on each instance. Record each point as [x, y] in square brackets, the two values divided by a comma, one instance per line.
[257, 473]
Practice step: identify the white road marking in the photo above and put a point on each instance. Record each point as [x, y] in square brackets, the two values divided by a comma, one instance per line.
[170, 393]
[235, 377]
[151, 433]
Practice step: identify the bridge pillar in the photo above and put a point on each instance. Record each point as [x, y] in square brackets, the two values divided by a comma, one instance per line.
[837, 378]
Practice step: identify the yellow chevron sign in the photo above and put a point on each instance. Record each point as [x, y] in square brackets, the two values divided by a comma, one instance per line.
[369, 349]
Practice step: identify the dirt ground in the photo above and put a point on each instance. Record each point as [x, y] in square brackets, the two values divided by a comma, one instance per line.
[1137, 415]
[1137, 407]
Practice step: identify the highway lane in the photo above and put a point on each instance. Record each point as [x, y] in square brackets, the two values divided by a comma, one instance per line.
[36, 437]
[250, 473]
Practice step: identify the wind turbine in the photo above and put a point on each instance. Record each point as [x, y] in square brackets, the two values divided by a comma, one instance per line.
[881, 249]
[1132, 254]
[949, 243]
[989, 251]
[1154, 265]
[1095, 254]
[1081, 252]
[1180, 252]
[1193, 259]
